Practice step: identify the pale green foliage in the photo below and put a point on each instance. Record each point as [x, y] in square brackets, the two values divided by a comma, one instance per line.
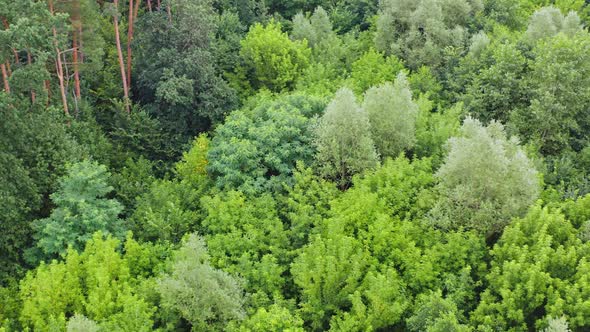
[373, 68]
[270, 59]
[418, 31]
[206, 297]
[549, 21]
[315, 29]
[486, 180]
[392, 114]
[557, 117]
[81, 209]
[81, 323]
[343, 140]
[557, 325]
[479, 42]
[97, 283]
[435, 313]
[275, 318]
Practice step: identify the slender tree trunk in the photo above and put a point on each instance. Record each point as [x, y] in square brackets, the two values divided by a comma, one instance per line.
[121, 62]
[76, 71]
[169, 13]
[149, 5]
[8, 68]
[5, 78]
[129, 38]
[59, 66]
[136, 10]
[76, 19]
[159, 5]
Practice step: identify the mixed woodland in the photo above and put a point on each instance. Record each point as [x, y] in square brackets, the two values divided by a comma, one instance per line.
[295, 165]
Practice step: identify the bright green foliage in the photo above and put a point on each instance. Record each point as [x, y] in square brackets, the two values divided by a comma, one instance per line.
[343, 140]
[372, 69]
[327, 271]
[557, 117]
[434, 128]
[256, 149]
[81, 209]
[166, 212]
[270, 59]
[193, 166]
[207, 298]
[392, 114]
[96, 283]
[549, 21]
[539, 267]
[276, 318]
[486, 180]
[306, 204]
[246, 237]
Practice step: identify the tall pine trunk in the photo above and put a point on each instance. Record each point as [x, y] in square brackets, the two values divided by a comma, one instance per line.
[76, 18]
[120, 55]
[59, 66]
[129, 38]
[5, 78]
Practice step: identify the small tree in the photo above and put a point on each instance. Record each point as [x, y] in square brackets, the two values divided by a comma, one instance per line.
[82, 209]
[485, 180]
[343, 140]
[392, 114]
[206, 297]
[270, 59]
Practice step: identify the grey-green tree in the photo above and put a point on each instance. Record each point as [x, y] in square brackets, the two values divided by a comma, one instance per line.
[392, 114]
[343, 140]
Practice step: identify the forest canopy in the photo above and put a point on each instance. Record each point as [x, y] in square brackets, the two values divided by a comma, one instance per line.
[274, 165]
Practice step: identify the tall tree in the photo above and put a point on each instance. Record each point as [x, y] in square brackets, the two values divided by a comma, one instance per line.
[392, 114]
[343, 139]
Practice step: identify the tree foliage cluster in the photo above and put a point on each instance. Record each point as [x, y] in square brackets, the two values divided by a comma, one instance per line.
[270, 165]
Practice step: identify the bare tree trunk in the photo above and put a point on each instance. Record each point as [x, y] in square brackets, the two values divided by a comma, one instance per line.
[169, 13]
[136, 10]
[76, 70]
[8, 68]
[159, 5]
[129, 38]
[121, 63]
[5, 78]
[59, 66]
[76, 18]
[149, 5]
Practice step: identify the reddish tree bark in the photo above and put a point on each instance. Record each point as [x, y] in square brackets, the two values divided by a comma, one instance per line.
[8, 68]
[149, 5]
[129, 38]
[5, 78]
[59, 66]
[136, 10]
[76, 19]
[48, 89]
[120, 55]
[159, 5]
